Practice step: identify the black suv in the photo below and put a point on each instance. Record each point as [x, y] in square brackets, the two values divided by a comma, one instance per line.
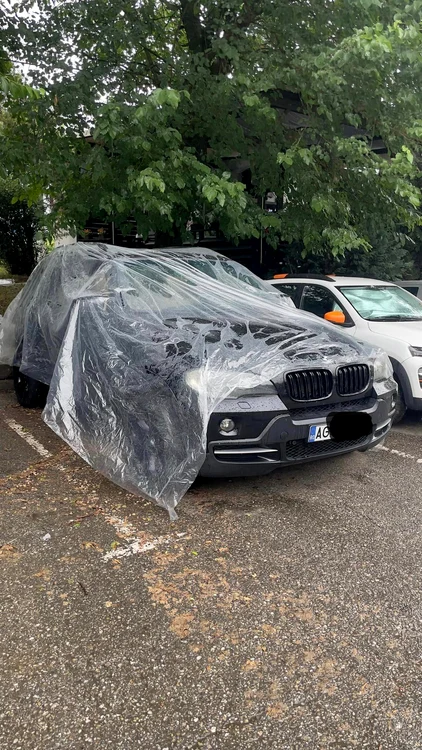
[163, 363]
[292, 420]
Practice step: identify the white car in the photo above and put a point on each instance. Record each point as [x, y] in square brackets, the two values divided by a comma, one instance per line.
[377, 312]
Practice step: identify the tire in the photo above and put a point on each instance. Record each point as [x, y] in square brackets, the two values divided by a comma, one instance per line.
[401, 407]
[30, 393]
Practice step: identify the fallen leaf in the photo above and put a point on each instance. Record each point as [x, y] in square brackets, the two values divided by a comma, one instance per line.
[305, 615]
[92, 545]
[8, 551]
[328, 688]
[44, 573]
[327, 669]
[268, 629]
[277, 710]
[250, 665]
[180, 625]
[366, 688]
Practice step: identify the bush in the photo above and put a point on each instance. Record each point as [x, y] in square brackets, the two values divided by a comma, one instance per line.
[18, 228]
[7, 294]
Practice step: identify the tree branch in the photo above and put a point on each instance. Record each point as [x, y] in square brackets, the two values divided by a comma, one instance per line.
[192, 25]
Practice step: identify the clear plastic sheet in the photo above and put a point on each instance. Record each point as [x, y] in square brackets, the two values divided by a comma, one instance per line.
[139, 347]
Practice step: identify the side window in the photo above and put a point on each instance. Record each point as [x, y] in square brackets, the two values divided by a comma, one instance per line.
[319, 300]
[292, 290]
[412, 289]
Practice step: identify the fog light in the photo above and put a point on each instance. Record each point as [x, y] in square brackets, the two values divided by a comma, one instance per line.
[227, 425]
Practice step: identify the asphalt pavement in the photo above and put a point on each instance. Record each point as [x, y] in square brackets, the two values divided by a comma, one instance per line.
[283, 612]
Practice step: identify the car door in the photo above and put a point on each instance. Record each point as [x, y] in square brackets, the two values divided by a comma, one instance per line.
[319, 300]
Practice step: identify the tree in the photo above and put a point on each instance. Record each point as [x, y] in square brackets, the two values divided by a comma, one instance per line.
[11, 85]
[18, 230]
[178, 97]
[19, 222]
[392, 256]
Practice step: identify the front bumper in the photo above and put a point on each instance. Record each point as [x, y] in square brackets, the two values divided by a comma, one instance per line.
[268, 439]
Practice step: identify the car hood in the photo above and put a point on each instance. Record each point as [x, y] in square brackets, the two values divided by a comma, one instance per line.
[307, 330]
[410, 332]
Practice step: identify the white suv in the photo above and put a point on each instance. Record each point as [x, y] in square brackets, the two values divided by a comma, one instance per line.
[378, 312]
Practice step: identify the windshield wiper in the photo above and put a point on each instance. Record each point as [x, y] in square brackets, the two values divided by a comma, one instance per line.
[395, 318]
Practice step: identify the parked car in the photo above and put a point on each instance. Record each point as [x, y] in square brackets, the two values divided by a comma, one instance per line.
[376, 312]
[160, 364]
[413, 287]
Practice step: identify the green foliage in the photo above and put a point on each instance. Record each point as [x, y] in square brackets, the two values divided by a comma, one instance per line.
[390, 256]
[8, 294]
[18, 228]
[11, 86]
[179, 98]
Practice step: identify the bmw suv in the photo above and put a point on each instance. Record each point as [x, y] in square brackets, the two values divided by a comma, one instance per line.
[336, 399]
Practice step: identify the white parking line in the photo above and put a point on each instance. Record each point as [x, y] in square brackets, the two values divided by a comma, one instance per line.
[133, 543]
[30, 439]
[136, 547]
[401, 454]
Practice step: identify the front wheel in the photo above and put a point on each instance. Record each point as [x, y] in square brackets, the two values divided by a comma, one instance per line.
[401, 407]
[31, 394]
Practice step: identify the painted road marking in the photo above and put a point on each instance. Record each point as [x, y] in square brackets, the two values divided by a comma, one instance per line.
[133, 542]
[30, 439]
[401, 454]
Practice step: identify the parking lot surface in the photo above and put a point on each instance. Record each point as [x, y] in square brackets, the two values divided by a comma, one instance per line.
[281, 612]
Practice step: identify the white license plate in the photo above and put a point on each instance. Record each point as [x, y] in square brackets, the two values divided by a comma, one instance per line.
[318, 432]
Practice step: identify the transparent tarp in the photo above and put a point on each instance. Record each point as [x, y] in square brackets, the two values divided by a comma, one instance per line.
[139, 348]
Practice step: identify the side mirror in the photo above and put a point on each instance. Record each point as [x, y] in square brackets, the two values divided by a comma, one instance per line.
[336, 316]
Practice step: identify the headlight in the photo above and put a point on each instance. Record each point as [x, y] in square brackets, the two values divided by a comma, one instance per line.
[382, 367]
[415, 351]
[194, 379]
[243, 383]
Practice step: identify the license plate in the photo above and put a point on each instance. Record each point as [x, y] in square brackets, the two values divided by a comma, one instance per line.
[318, 432]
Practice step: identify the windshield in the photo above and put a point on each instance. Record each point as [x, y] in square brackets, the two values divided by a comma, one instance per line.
[225, 270]
[233, 272]
[383, 303]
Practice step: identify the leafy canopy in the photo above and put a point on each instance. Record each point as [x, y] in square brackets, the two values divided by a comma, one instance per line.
[19, 226]
[11, 86]
[179, 98]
